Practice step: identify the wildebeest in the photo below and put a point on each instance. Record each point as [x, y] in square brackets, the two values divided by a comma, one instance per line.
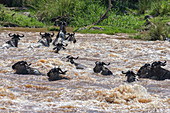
[131, 76]
[13, 42]
[158, 72]
[22, 67]
[54, 74]
[144, 71]
[61, 34]
[59, 46]
[78, 65]
[99, 67]
[46, 39]
[154, 71]
[71, 37]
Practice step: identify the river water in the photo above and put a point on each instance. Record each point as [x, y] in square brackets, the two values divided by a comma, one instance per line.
[85, 91]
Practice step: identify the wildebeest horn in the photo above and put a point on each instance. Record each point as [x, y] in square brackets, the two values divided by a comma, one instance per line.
[10, 35]
[42, 34]
[96, 62]
[124, 72]
[108, 64]
[21, 35]
[76, 57]
[165, 62]
[105, 63]
[29, 64]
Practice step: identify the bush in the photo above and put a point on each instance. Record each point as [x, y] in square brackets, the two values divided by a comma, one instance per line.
[158, 31]
[18, 18]
[160, 8]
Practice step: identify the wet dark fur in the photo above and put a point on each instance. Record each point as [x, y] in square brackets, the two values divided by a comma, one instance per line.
[99, 67]
[54, 74]
[22, 67]
[154, 71]
[131, 76]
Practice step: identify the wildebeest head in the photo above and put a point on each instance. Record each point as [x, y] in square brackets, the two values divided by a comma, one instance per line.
[22, 67]
[158, 64]
[59, 46]
[144, 71]
[71, 37]
[99, 66]
[78, 65]
[101, 63]
[24, 63]
[70, 59]
[48, 37]
[14, 40]
[54, 74]
[131, 76]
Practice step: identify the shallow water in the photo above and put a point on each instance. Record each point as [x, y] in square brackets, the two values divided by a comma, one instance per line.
[85, 91]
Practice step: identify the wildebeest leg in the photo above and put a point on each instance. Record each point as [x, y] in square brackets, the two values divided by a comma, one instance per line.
[55, 41]
[16, 43]
[11, 43]
[58, 49]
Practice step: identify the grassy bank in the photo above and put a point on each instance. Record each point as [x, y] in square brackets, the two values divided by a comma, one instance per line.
[10, 18]
[124, 17]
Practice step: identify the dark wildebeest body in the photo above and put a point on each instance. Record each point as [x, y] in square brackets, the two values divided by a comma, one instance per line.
[71, 37]
[59, 46]
[46, 39]
[78, 65]
[154, 71]
[22, 67]
[158, 72]
[99, 67]
[131, 76]
[54, 74]
[61, 34]
[144, 71]
[13, 42]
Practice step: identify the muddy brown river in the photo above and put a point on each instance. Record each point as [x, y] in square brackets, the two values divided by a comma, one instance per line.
[85, 91]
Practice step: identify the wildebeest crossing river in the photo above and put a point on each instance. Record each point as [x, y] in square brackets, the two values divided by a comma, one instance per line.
[85, 91]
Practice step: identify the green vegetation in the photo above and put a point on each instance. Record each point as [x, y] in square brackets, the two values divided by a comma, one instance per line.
[124, 17]
[12, 18]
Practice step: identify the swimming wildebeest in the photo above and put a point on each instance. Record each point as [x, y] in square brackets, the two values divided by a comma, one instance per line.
[78, 65]
[46, 39]
[13, 42]
[154, 71]
[99, 67]
[59, 46]
[22, 67]
[71, 37]
[54, 74]
[131, 76]
[61, 34]
[144, 71]
[158, 71]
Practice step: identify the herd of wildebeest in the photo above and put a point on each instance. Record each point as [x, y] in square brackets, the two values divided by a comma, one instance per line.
[152, 71]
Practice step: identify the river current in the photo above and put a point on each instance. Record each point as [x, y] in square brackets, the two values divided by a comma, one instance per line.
[85, 91]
